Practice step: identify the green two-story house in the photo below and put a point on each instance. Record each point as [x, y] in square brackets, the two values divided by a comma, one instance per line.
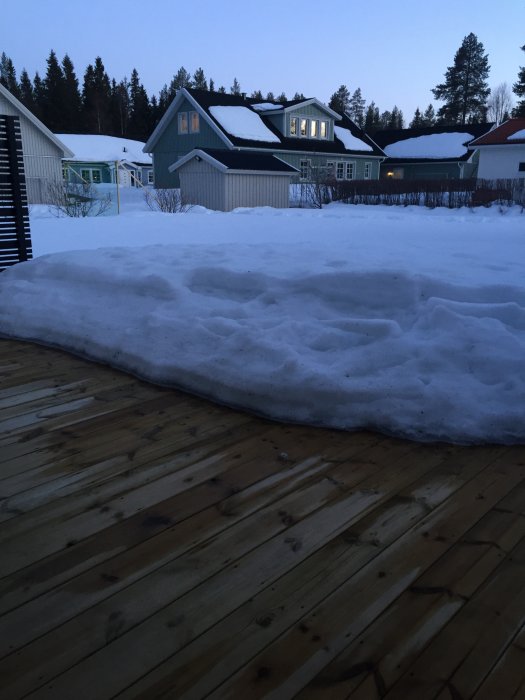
[304, 133]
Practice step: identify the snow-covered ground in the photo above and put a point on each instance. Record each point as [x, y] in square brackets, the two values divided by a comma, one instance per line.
[408, 321]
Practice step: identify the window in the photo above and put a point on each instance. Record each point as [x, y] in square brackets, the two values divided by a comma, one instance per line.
[330, 169]
[150, 177]
[304, 168]
[368, 171]
[340, 171]
[324, 130]
[304, 127]
[96, 177]
[350, 170]
[65, 172]
[85, 175]
[183, 122]
[521, 167]
[294, 123]
[91, 175]
[314, 128]
[194, 122]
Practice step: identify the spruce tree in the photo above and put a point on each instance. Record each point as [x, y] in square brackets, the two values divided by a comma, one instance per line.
[270, 97]
[282, 98]
[519, 89]
[235, 88]
[8, 75]
[418, 121]
[429, 116]
[222, 90]
[181, 79]
[54, 95]
[465, 89]
[372, 118]
[27, 97]
[299, 96]
[199, 80]
[72, 102]
[340, 100]
[38, 94]
[140, 114]
[356, 110]
[119, 107]
[212, 85]
[396, 120]
[257, 95]
[96, 99]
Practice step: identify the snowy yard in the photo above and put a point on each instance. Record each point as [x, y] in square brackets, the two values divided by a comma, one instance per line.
[408, 321]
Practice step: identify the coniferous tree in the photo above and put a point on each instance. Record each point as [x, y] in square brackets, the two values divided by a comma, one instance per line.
[270, 97]
[96, 99]
[235, 88]
[222, 89]
[181, 79]
[212, 85]
[199, 80]
[298, 96]
[8, 75]
[27, 97]
[385, 119]
[396, 120]
[465, 89]
[54, 95]
[418, 121]
[140, 115]
[429, 116]
[356, 109]
[282, 98]
[519, 89]
[372, 118]
[340, 100]
[257, 95]
[72, 102]
[38, 94]
[119, 107]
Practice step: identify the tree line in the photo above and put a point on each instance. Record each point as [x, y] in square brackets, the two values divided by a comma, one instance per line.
[104, 106]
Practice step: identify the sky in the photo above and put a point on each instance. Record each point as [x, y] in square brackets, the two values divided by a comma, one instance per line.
[394, 51]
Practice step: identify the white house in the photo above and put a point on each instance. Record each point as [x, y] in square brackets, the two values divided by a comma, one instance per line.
[502, 151]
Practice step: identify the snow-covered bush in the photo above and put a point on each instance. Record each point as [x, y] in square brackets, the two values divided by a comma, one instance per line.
[167, 201]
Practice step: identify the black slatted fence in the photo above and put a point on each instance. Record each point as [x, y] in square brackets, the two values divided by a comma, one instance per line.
[15, 240]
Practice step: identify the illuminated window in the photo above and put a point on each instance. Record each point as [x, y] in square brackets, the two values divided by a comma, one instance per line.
[183, 122]
[324, 130]
[294, 123]
[314, 128]
[304, 127]
[194, 122]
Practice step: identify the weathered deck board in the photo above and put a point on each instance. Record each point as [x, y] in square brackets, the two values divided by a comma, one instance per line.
[155, 545]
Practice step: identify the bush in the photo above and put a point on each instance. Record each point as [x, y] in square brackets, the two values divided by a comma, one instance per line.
[76, 200]
[167, 201]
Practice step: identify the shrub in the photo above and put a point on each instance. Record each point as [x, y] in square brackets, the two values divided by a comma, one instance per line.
[76, 199]
[167, 201]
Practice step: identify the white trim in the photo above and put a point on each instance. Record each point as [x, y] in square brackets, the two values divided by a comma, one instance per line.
[35, 121]
[224, 168]
[313, 101]
[168, 115]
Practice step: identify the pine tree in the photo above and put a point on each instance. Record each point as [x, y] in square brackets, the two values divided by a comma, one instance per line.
[8, 75]
[72, 102]
[356, 110]
[270, 97]
[38, 94]
[181, 79]
[222, 90]
[54, 95]
[235, 88]
[282, 98]
[429, 116]
[418, 121]
[299, 96]
[519, 89]
[372, 118]
[465, 89]
[257, 95]
[385, 119]
[199, 80]
[96, 99]
[396, 120]
[340, 100]
[212, 85]
[140, 114]
[119, 107]
[27, 97]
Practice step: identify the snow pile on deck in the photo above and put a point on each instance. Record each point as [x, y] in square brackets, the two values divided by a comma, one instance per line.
[431, 146]
[351, 142]
[407, 321]
[243, 123]
[100, 148]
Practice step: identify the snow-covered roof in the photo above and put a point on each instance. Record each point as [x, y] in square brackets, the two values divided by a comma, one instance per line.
[517, 136]
[351, 142]
[100, 148]
[243, 123]
[444, 145]
[266, 107]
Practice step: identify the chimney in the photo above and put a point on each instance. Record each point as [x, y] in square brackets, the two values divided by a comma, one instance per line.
[243, 95]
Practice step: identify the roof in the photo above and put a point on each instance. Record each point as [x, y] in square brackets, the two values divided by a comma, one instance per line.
[100, 148]
[204, 100]
[429, 144]
[226, 160]
[35, 121]
[503, 134]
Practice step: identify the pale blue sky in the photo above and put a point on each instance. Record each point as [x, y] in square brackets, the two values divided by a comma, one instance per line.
[395, 51]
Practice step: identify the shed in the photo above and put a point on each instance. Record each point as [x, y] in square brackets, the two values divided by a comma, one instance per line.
[223, 179]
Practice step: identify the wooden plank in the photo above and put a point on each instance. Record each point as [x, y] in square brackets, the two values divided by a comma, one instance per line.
[507, 677]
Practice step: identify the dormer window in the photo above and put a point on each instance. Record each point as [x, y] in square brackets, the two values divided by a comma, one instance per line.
[324, 130]
[314, 128]
[294, 124]
[194, 122]
[183, 122]
[309, 128]
[304, 127]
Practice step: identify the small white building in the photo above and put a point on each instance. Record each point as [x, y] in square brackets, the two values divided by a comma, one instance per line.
[502, 151]
[224, 180]
[42, 150]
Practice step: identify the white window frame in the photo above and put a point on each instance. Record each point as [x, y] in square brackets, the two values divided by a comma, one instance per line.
[314, 126]
[350, 170]
[180, 117]
[340, 170]
[306, 127]
[294, 120]
[368, 171]
[302, 163]
[150, 177]
[191, 115]
[86, 175]
[323, 121]
[330, 168]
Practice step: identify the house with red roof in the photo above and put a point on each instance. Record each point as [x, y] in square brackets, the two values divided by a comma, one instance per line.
[502, 151]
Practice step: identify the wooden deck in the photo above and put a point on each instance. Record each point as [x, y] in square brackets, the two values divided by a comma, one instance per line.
[153, 545]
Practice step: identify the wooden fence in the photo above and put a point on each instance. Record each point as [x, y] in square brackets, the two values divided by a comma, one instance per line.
[15, 240]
